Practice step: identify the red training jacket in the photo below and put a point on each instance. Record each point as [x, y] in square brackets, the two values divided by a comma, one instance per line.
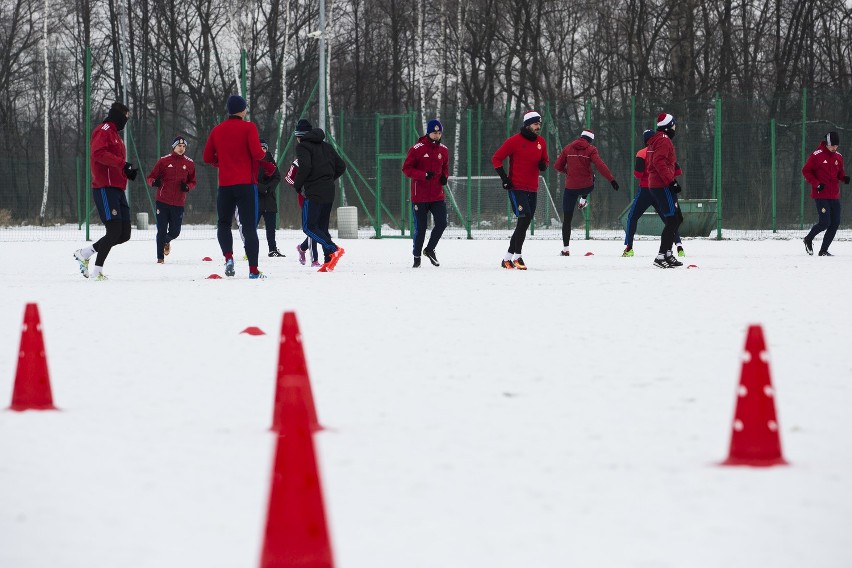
[660, 160]
[575, 161]
[173, 169]
[640, 169]
[524, 157]
[234, 148]
[108, 157]
[427, 156]
[824, 166]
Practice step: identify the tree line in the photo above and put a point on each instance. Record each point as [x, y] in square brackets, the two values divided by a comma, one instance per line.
[176, 62]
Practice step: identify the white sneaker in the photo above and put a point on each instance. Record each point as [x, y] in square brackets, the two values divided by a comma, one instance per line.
[100, 277]
[84, 263]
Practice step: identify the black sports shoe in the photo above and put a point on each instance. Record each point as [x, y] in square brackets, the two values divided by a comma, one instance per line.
[809, 246]
[430, 254]
[825, 253]
[661, 263]
[275, 252]
[672, 261]
[416, 262]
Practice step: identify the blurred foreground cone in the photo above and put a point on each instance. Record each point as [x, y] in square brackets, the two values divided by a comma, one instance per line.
[296, 530]
[32, 381]
[755, 439]
[292, 372]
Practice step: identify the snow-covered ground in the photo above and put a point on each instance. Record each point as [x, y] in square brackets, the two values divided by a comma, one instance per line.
[570, 415]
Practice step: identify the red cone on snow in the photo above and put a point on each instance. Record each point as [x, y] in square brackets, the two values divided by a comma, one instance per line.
[253, 331]
[296, 529]
[692, 266]
[214, 277]
[755, 438]
[207, 259]
[32, 381]
[590, 253]
[292, 372]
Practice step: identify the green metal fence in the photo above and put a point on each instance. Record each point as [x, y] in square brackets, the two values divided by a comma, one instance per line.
[740, 158]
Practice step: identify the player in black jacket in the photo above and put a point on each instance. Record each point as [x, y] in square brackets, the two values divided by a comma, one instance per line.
[267, 205]
[319, 168]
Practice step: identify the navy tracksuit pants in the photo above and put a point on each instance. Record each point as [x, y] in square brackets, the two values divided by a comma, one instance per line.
[421, 218]
[829, 221]
[315, 219]
[641, 202]
[169, 221]
[231, 197]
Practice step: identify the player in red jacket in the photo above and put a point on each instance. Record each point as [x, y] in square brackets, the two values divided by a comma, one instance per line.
[661, 161]
[643, 200]
[824, 171]
[174, 177]
[427, 165]
[575, 161]
[233, 147]
[110, 172]
[527, 153]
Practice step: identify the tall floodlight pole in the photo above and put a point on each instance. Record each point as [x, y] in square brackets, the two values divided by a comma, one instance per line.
[322, 105]
[43, 209]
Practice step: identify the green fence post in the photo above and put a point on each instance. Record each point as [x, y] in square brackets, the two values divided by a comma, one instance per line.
[479, 165]
[773, 174]
[469, 169]
[77, 177]
[804, 154]
[632, 143]
[508, 133]
[586, 213]
[340, 138]
[88, 128]
[378, 181]
[243, 87]
[717, 166]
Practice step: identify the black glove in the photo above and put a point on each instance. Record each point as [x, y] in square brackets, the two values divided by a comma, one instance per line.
[541, 166]
[184, 187]
[614, 185]
[820, 187]
[157, 182]
[443, 180]
[507, 184]
[430, 175]
[846, 180]
[130, 171]
[675, 186]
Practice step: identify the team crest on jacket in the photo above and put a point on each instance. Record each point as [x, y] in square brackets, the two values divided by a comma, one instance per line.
[440, 157]
[822, 210]
[114, 212]
[415, 207]
[538, 145]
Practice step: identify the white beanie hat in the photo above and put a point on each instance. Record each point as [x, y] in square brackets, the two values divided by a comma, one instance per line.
[531, 117]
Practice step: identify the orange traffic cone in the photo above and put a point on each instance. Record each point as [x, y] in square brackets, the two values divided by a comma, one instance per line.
[755, 439]
[32, 381]
[292, 372]
[296, 530]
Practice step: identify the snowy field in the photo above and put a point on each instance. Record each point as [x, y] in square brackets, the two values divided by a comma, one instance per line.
[571, 415]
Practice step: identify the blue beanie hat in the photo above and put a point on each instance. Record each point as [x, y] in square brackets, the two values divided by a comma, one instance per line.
[434, 125]
[647, 135]
[236, 104]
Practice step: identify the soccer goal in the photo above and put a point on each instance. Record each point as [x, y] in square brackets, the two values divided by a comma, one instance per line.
[479, 205]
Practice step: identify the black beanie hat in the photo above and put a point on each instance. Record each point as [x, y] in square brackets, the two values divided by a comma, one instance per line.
[118, 115]
[832, 139]
[264, 144]
[647, 135]
[179, 140]
[302, 128]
